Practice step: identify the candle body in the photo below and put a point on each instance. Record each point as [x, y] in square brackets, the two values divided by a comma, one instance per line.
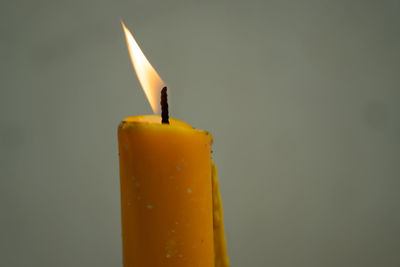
[166, 194]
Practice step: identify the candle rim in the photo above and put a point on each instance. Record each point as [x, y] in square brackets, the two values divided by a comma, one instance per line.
[154, 122]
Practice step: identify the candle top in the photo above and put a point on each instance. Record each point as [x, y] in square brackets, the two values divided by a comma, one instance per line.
[154, 121]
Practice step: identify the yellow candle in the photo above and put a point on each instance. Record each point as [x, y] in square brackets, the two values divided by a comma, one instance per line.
[170, 201]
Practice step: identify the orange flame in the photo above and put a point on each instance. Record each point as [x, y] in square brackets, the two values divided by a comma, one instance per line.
[147, 75]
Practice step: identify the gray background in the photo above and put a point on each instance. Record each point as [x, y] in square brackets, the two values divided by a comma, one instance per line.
[302, 98]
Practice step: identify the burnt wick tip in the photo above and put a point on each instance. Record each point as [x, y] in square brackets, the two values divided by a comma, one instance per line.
[164, 106]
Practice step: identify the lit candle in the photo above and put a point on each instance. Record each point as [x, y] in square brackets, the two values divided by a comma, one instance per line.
[170, 202]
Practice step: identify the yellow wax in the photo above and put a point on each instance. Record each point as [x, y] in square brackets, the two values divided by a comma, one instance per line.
[167, 195]
[221, 254]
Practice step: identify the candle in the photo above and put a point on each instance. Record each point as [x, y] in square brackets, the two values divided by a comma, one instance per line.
[170, 202]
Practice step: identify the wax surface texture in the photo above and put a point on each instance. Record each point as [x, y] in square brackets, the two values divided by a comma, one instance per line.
[167, 194]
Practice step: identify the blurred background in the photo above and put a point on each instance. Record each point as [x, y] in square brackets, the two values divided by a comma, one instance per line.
[302, 98]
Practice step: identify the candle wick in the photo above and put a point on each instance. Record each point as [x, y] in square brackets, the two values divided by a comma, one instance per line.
[164, 106]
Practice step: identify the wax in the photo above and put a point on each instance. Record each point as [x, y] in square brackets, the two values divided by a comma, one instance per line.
[220, 250]
[168, 205]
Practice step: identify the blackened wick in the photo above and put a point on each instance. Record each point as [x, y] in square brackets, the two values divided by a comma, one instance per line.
[164, 106]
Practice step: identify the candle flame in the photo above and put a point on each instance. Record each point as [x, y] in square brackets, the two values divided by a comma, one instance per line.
[149, 79]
